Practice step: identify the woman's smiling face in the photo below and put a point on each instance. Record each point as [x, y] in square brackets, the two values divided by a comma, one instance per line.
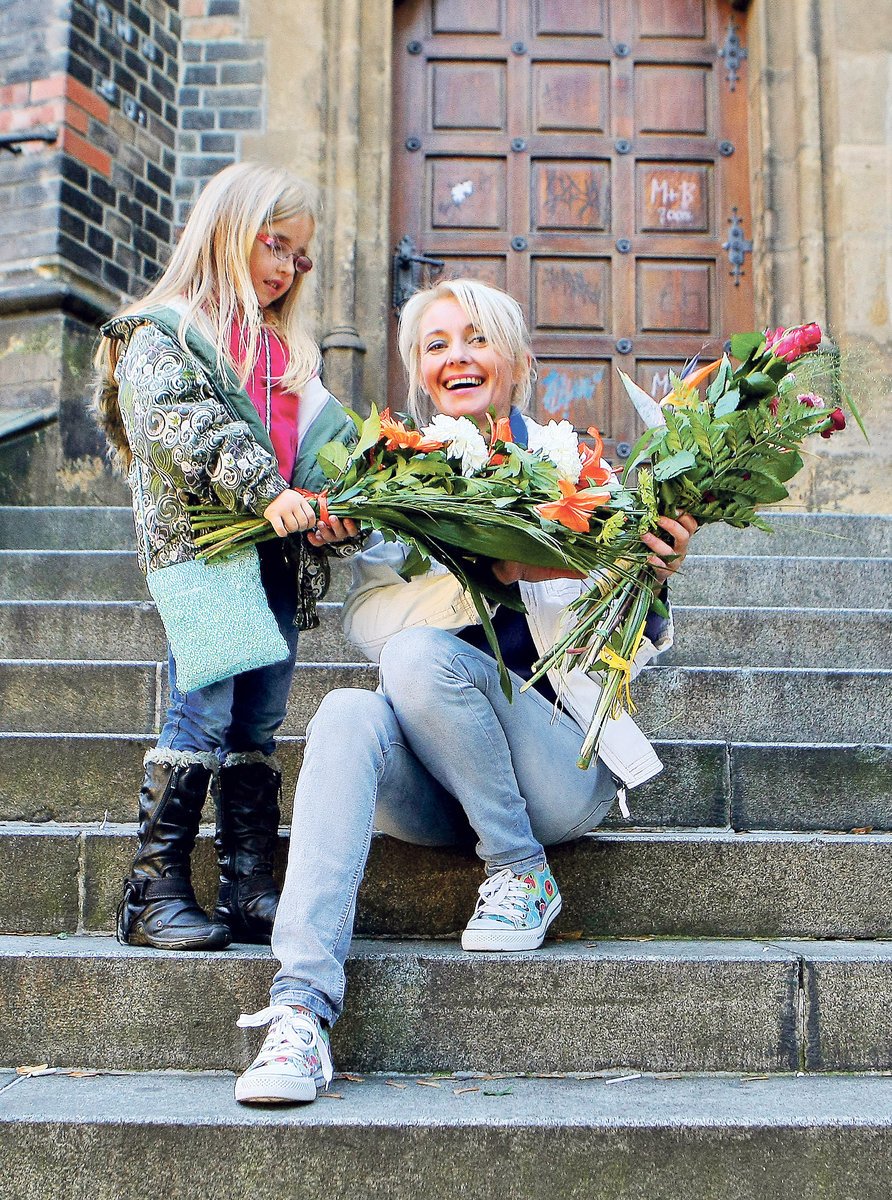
[463, 375]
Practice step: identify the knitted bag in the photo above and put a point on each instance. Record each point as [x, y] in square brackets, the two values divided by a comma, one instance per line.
[216, 618]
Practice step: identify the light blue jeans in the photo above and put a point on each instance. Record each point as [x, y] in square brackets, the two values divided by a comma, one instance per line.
[438, 757]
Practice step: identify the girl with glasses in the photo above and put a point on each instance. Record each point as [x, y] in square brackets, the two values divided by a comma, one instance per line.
[209, 393]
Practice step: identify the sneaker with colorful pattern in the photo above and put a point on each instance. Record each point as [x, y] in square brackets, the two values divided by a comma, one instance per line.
[293, 1062]
[513, 911]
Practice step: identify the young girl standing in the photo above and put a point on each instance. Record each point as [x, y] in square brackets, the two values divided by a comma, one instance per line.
[209, 393]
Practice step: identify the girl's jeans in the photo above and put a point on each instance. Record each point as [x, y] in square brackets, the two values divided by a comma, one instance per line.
[243, 712]
[437, 757]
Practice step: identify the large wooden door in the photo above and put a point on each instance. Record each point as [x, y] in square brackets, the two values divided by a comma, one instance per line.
[591, 157]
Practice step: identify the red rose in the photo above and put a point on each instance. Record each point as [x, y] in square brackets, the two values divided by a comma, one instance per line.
[837, 421]
[790, 344]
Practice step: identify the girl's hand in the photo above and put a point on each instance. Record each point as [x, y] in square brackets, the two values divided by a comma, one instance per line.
[290, 513]
[335, 529]
[514, 572]
[669, 555]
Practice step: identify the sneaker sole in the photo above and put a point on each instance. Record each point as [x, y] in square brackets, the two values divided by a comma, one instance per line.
[268, 1088]
[511, 939]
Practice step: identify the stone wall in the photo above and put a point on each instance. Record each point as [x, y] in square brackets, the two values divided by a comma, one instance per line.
[820, 102]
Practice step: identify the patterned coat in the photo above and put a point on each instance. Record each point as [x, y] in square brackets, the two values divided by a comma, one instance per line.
[196, 439]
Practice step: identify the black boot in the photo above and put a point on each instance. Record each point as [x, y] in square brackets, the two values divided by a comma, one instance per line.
[247, 833]
[158, 907]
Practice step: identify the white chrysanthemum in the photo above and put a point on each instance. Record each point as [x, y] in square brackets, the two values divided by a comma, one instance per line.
[462, 439]
[558, 443]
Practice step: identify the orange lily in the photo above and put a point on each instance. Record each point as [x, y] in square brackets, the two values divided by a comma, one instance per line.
[591, 471]
[574, 508]
[400, 438]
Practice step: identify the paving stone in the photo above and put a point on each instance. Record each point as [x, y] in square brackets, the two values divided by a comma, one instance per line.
[65, 697]
[768, 580]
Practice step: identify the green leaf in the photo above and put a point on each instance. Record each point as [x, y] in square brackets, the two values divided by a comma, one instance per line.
[744, 344]
[370, 433]
[758, 384]
[333, 458]
[668, 468]
[728, 403]
[720, 382]
[417, 563]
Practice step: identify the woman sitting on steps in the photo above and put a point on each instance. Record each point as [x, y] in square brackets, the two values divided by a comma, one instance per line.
[437, 755]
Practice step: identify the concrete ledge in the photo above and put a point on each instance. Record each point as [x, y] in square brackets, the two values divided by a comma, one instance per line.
[638, 884]
[414, 1006]
[650, 1138]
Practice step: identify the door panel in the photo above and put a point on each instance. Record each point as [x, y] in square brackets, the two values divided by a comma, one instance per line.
[591, 157]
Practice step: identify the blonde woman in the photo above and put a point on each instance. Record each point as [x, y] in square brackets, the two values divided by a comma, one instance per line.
[209, 393]
[437, 756]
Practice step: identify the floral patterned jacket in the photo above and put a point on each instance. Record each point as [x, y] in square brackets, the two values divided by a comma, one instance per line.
[196, 438]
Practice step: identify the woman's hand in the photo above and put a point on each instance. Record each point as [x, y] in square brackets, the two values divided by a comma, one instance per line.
[668, 556]
[290, 512]
[514, 572]
[335, 529]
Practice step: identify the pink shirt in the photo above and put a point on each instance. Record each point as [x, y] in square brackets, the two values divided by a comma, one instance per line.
[282, 422]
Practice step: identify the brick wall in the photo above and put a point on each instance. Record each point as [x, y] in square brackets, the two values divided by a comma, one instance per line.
[221, 95]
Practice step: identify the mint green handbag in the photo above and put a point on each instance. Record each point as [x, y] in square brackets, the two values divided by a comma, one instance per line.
[216, 618]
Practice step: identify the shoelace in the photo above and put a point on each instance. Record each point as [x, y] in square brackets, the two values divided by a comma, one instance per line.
[502, 895]
[290, 1030]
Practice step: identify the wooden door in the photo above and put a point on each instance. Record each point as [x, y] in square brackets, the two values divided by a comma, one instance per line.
[591, 157]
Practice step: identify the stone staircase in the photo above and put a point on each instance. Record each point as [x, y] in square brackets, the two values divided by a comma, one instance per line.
[712, 1019]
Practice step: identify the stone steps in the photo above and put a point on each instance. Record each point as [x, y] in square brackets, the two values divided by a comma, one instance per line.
[426, 1006]
[724, 703]
[643, 1138]
[670, 883]
[113, 630]
[94, 777]
[740, 579]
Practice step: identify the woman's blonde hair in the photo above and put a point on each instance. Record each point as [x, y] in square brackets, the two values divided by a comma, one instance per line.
[209, 270]
[493, 312]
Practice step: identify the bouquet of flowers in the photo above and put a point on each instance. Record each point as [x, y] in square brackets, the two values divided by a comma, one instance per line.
[455, 497]
[718, 457]
[464, 501]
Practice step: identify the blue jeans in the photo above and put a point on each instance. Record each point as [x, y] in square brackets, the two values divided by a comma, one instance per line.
[437, 757]
[243, 712]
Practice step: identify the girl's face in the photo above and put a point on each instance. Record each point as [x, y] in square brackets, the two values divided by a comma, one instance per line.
[461, 372]
[272, 268]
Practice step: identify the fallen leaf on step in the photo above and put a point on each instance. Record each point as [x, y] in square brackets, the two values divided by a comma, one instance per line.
[753, 1078]
[505, 1092]
[622, 1078]
[82, 1074]
[30, 1072]
[427, 1083]
[862, 829]
[464, 1091]
[393, 1083]
[352, 1078]
[331, 1095]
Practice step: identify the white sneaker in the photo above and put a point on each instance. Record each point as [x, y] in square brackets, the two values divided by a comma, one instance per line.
[293, 1062]
[513, 911]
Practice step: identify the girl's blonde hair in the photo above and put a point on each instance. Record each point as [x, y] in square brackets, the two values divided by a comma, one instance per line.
[209, 270]
[493, 312]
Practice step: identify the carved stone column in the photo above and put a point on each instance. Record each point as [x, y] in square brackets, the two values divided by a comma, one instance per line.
[342, 346]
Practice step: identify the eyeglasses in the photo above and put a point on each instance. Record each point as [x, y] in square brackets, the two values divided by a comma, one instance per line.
[302, 264]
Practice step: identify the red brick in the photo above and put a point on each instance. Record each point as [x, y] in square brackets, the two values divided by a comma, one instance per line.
[47, 89]
[80, 149]
[15, 93]
[76, 118]
[95, 105]
[41, 114]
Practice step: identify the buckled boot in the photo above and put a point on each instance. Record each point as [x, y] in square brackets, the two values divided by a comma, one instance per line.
[247, 798]
[158, 907]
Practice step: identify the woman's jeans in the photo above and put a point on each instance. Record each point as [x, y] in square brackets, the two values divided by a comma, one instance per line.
[243, 712]
[437, 757]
